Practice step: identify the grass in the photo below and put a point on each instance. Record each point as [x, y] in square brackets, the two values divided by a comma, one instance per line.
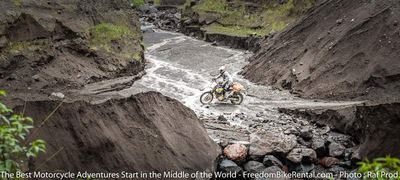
[234, 30]
[102, 34]
[239, 22]
[218, 6]
[19, 47]
[137, 3]
[17, 2]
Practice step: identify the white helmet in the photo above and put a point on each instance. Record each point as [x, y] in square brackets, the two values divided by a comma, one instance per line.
[222, 69]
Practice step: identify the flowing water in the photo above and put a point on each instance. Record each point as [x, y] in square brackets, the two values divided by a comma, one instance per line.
[182, 67]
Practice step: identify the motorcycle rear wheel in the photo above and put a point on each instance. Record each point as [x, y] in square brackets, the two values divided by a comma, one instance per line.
[206, 98]
[237, 98]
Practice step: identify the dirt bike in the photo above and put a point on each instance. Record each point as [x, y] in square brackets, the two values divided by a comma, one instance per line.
[218, 91]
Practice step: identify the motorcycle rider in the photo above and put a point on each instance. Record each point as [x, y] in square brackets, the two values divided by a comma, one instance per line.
[227, 80]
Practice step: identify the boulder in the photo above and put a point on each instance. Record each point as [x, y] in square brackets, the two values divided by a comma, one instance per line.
[254, 167]
[328, 162]
[235, 152]
[306, 134]
[305, 168]
[228, 166]
[270, 160]
[273, 169]
[336, 149]
[299, 155]
[270, 142]
[319, 145]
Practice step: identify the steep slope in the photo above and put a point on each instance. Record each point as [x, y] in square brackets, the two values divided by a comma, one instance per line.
[49, 46]
[146, 132]
[240, 23]
[341, 49]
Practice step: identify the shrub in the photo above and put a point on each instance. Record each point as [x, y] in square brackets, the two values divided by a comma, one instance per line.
[380, 166]
[14, 130]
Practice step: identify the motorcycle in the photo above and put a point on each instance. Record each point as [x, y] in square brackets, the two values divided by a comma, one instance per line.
[218, 92]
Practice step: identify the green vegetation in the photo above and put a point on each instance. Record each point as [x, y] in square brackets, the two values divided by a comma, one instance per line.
[18, 47]
[15, 149]
[17, 2]
[217, 6]
[157, 2]
[103, 34]
[234, 30]
[380, 166]
[137, 3]
[237, 20]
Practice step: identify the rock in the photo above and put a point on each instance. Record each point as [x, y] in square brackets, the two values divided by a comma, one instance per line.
[319, 146]
[304, 168]
[12, 77]
[291, 130]
[339, 21]
[235, 152]
[328, 162]
[299, 155]
[270, 142]
[306, 134]
[36, 77]
[272, 169]
[259, 114]
[270, 160]
[254, 167]
[336, 169]
[346, 164]
[227, 166]
[222, 118]
[148, 9]
[58, 95]
[336, 149]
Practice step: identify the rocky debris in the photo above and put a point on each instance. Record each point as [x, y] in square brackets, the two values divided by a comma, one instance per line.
[328, 162]
[271, 145]
[305, 155]
[146, 132]
[270, 160]
[235, 152]
[229, 166]
[165, 18]
[270, 142]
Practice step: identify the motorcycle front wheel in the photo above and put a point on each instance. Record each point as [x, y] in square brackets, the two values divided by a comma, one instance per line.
[237, 98]
[206, 98]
